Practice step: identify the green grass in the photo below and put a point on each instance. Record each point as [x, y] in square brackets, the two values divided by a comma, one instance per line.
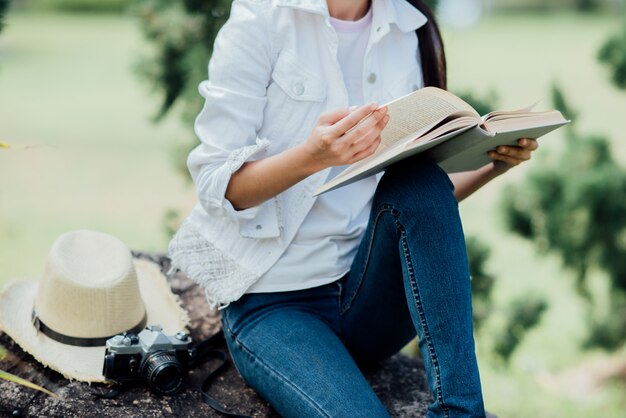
[68, 88]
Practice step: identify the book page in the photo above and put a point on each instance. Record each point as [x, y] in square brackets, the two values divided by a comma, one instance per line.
[505, 123]
[416, 111]
[454, 124]
[498, 114]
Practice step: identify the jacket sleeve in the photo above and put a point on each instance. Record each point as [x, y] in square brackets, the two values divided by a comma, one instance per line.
[228, 125]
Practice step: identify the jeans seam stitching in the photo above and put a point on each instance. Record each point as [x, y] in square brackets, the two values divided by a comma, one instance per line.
[249, 352]
[384, 208]
[418, 304]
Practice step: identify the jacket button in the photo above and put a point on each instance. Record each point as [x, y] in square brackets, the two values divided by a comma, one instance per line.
[371, 78]
[298, 89]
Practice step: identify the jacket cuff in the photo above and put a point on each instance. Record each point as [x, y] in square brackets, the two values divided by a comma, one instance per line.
[223, 174]
[260, 221]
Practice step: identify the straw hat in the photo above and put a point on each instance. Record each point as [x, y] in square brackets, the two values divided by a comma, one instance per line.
[91, 289]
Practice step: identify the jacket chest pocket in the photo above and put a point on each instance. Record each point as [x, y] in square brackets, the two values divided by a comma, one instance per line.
[296, 80]
[295, 97]
[405, 84]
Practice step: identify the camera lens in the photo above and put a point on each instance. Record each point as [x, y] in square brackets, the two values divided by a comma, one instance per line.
[163, 372]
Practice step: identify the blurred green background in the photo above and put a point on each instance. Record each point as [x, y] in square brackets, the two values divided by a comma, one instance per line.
[83, 83]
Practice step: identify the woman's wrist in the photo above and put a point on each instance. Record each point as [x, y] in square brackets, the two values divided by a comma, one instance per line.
[499, 167]
[306, 161]
[493, 170]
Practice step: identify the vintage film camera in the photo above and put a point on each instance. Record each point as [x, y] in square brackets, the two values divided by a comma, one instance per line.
[159, 360]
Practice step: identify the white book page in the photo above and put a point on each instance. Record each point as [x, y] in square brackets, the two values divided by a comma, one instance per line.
[418, 110]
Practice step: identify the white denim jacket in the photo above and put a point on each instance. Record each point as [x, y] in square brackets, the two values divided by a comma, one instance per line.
[273, 72]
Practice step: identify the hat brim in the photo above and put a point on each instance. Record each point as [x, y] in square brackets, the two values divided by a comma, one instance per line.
[85, 363]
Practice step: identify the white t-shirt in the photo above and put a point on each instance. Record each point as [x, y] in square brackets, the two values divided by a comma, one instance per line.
[326, 243]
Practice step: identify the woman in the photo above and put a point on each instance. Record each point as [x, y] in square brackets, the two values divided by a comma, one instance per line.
[313, 289]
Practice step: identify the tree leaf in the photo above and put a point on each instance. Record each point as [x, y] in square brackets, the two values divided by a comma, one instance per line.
[12, 378]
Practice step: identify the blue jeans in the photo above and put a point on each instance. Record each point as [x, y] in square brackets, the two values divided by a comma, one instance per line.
[303, 350]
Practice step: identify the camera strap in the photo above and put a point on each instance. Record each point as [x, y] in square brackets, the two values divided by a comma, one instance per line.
[206, 350]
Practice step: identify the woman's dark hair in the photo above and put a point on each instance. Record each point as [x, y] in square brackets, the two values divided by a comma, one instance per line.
[432, 54]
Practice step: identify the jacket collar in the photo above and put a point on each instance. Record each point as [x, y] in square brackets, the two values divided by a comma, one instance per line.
[313, 6]
[385, 12]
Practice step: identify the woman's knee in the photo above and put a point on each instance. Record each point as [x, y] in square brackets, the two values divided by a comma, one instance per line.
[415, 180]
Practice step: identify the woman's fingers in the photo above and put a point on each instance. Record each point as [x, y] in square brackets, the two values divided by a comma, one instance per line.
[510, 155]
[515, 155]
[338, 140]
[528, 143]
[350, 121]
[364, 134]
[333, 116]
[368, 128]
[371, 148]
[505, 159]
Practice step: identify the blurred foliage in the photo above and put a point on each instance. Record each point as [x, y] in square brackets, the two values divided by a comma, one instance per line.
[432, 4]
[483, 105]
[613, 55]
[575, 206]
[4, 6]
[482, 281]
[542, 5]
[182, 33]
[171, 222]
[587, 5]
[93, 6]
[523, 314]
[609, 332]
[560, 103]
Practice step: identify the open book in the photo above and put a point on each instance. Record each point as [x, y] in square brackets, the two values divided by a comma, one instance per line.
[446, 129]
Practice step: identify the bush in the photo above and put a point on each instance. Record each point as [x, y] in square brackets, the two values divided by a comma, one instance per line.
[613, 55]
[522, 315]
[4, 5]
[182, 33]
[576, 208]
[95, 6]
[482, 281]
[587, 5]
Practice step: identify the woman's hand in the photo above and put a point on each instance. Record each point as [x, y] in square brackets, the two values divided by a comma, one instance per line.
[340, 137]
[345, 136]
[506, 157]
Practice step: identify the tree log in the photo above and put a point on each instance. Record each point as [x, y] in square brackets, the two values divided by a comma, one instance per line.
[400, 381]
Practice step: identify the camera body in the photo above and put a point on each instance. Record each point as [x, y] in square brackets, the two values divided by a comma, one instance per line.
[160, 360]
